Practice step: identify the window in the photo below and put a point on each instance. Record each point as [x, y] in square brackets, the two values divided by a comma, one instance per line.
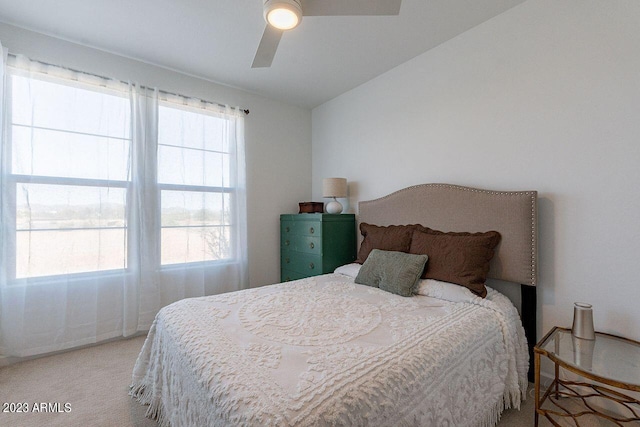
[115, 200]
[195, 185]
[71, 163]
[70, 169]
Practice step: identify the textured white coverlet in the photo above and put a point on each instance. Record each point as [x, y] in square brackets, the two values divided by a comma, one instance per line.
[325, 351]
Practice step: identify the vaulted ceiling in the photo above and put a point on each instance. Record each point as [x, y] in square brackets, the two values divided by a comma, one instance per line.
[217, 39]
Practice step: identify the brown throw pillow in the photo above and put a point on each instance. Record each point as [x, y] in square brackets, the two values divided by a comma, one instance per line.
[461, 258]
[391, 238]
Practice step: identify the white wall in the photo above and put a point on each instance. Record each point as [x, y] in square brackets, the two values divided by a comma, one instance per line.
[277, 136]
[546, 97]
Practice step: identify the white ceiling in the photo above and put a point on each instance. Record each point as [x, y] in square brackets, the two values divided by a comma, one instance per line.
[217, 39]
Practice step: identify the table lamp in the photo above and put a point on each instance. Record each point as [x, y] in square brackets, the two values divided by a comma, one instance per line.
[334, 187]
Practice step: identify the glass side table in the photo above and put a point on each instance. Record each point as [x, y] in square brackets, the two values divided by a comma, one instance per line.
[611, 361]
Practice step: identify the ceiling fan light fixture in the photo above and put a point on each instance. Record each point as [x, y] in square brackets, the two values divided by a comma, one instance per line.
[283, 14]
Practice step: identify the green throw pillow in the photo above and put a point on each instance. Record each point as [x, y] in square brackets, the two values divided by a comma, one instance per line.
[392, 271]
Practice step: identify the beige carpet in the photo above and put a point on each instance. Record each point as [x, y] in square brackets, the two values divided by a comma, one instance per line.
[94, 383]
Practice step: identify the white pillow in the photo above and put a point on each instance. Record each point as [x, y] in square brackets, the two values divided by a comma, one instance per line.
[427, 287]
[445, 290]
[350, 270]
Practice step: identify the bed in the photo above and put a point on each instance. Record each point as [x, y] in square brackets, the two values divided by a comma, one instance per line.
[326, 350]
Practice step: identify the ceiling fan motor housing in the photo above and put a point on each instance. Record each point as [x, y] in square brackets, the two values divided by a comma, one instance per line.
[292, 6]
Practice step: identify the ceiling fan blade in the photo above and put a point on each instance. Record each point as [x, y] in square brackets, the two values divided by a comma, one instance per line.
[267, 47]
[350, 7]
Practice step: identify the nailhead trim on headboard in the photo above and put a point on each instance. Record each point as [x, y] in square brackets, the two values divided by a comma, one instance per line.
[533, 198]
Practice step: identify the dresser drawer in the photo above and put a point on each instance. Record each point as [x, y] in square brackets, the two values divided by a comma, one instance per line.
[309, 265]
[288, 275]
[307, 244]
[300, 228]
[286, 228]
[307, 228]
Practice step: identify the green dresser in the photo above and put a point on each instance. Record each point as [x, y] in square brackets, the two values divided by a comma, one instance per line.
[315, 243]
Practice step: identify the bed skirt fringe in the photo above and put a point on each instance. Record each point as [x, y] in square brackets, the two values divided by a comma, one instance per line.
[141, 394]
[511, 400]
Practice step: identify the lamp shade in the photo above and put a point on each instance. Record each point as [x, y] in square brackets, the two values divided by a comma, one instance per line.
[334, 187]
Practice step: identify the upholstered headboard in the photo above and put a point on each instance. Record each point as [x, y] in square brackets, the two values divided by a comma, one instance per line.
[448, 207]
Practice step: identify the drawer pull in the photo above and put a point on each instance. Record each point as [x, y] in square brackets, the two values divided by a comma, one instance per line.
[311, 245]
[287, 229]
[311, 230]
[286, 243]
[311, 266]
[287, 260]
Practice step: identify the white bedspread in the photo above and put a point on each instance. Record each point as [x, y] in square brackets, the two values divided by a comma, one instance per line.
[325, 351]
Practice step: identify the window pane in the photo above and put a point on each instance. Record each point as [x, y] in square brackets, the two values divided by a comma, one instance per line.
[45, 253]
[68, 133]
[185, 128]
[50, 105]
[44, 206]
[193, 244]
[186, 166]
[55, 153]
[188, 208]
[194, 152]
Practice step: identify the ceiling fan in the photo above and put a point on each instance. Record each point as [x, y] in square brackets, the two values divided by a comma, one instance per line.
[283, 15]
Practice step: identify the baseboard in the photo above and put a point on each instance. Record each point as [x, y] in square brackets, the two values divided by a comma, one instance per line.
[10, 360]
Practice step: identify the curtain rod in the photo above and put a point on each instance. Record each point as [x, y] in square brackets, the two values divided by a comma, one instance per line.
[245, 111]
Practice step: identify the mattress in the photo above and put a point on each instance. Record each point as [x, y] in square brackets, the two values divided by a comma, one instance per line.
[324, 351]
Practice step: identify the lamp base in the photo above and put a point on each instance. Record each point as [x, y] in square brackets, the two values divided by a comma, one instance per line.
[333, 207]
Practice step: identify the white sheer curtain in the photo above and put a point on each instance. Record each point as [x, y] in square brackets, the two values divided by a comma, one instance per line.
[116, 201]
